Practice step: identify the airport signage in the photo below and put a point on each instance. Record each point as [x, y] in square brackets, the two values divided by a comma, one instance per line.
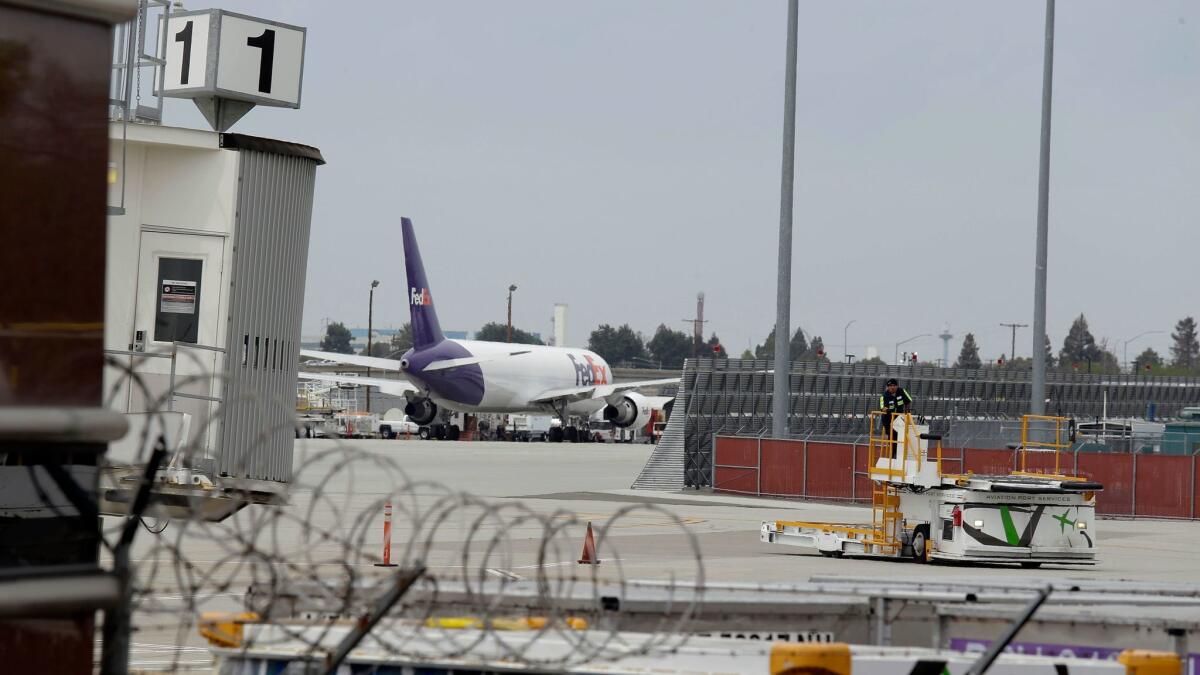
[218, 54]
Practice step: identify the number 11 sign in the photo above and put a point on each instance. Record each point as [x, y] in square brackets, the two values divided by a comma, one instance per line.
[217, 54]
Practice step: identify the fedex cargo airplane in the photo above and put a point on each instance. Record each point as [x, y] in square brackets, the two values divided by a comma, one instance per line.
[470, 376]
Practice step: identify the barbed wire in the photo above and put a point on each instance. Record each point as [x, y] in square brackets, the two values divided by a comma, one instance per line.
[307, 562]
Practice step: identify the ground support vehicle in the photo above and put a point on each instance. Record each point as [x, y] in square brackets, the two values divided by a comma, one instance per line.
[525, 428]
[923, 513]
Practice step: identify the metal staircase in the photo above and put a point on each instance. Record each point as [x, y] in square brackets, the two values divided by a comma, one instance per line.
[665, 468]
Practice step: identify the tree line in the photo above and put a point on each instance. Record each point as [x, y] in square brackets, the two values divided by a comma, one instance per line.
[1082, 353]
[668, 348]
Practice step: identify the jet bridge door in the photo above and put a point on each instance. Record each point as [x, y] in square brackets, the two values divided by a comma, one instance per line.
[179, 294]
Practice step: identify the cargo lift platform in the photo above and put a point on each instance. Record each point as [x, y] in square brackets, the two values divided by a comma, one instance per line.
[918, 511]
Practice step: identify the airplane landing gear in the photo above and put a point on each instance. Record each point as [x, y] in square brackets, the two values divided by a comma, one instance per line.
[571, 435]
[556, 434]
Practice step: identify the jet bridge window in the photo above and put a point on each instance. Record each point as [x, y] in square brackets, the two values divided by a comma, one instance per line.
[177, 313]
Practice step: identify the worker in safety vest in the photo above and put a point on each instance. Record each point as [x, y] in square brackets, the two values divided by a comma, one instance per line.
[894, 401]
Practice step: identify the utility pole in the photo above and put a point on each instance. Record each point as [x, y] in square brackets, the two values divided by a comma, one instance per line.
[370, 319]
[511, 288]
[783, 294]
[1037, 389]
[1012, 354]
[845, 337]
[698, 326]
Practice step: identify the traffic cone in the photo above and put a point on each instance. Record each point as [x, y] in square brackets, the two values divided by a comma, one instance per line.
[589, 549]
[387, 536]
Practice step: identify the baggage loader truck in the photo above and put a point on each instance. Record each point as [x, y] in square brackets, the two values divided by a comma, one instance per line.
[920, 512]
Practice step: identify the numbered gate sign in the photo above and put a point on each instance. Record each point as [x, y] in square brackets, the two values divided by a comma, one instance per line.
[214, 53]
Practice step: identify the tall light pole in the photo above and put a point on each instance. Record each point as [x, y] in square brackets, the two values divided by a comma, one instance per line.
[1125, 349]
[511, 288]
[896, 356]
[1037, 389]
[370, 321]
[783, 292]
[845, 334]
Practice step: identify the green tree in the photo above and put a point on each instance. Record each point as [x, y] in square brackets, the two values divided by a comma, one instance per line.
[747, 354]
[816, 350]
[797, 346]
[337, 339]
[714, 349]
[616, 345]
[873, 361]
[1079, 347]
[498, 332]
[379, 349]
[968, 357]
[669, 347]
[1149, 357]
[1185, 352]
[1109, 363]
[1050, 362]
[402, 340]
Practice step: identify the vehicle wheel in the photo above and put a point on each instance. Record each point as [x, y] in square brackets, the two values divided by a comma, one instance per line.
[556, 434]
[453, 433]
[439, 432]
[571, 435]
[920, 536]
[423, 433]
[1031, 565]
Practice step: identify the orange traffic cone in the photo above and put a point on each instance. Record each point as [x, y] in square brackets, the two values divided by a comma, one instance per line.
[589, 549]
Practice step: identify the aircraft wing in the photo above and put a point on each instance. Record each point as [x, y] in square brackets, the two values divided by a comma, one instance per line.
[394, 387]
[353, 359]
[609, 392]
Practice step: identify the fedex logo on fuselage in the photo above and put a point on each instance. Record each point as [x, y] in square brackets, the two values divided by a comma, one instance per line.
[420, 297]
[588, 372]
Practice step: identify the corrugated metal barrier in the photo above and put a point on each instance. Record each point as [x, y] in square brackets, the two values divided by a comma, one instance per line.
[1137, 485]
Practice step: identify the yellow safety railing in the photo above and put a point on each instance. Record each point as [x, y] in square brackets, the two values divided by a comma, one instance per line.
[1038, 440]
[881, 444]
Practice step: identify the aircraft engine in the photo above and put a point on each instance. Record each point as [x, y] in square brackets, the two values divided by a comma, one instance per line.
[421, 411]
[633, 410]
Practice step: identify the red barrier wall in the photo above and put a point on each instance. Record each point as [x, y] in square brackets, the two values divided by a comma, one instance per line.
[741, 453]
[830, 470]
[1115, 473]
[988, 462]
[862, 484]
[1164, 485]
[783, 468]
[1167, 486]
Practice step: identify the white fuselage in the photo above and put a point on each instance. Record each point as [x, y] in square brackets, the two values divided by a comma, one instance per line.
[511, 383]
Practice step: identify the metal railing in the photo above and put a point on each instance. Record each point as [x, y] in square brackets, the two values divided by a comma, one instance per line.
[173, 355]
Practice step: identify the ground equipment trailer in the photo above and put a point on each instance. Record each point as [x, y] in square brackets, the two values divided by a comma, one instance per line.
[921, 512]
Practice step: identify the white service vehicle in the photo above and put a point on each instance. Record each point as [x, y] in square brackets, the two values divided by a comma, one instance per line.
[920, 512]
[526, 428]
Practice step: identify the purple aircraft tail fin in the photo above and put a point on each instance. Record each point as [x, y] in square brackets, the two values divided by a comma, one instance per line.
[426, 331]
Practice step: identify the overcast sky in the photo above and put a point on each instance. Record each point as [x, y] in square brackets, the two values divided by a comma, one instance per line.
[622, 156]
